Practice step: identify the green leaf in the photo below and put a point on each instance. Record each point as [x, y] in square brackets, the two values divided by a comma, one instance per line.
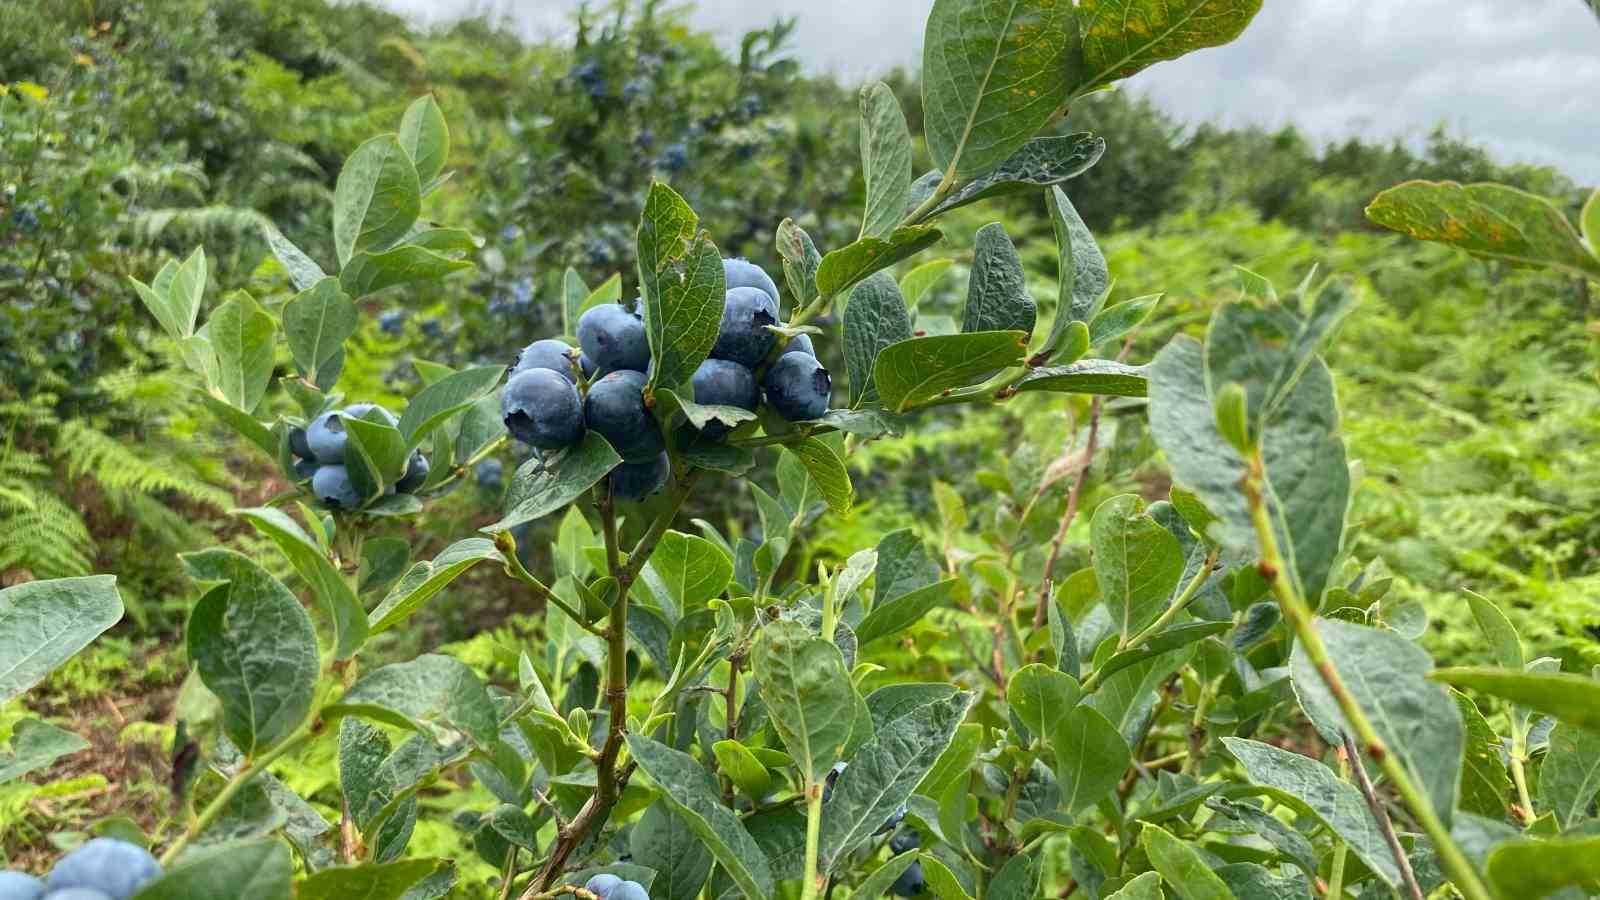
[436, 403]
[371, 881]
[1146, 886]
[1570, 698]
[44, 623]
[34, 745]
[1387, 676]
[540, 488]
[885, 159]
[368, 271]
[429, 690]
[1039, 695]
[339, 603]
[425, 137]
[903, 566]
[259, 870]
[922, 279]
[807, 690]
[380, 445]
[693, 569]
[875, 318]
[175, 300]
[1190, 876]
[883, 877]
[699, 415]
[1484, 782]
[993, 73]
[302, 270]
[1137, 562]
[1504, 644]
[661, 840]
[827, 472]
[800, 262]
[1569, 780]
[1091, 756]
[941, 881]
[1290, 843]
[690, 792]
[254, 647]
[1083, 279]
[742, 767]
[884, 771]
[1103, 377]
[1528, 870]
[894, 616]
[1115, 322]
[997, 292]
[1018, 879]
[1309, 785]
[316, 323]
[681, 276]
[241, 333]
[1041, 163]
[1589, 218]
[377, 198]
[955, 763]
[1121, 37]
[1488, 220]
[910, 373]
[843, 268]
[428, 578]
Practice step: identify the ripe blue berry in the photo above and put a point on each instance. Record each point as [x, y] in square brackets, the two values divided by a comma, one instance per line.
[116, 868]
[632, 482]
[542, 409]
[17, 886]
[910, 883]
[800, 343]
[721, 382]
[77, 893]
[744, 273]
[910, 839]
[798, 387]
[602, 885]
[306, 468]
[743, 336]
[613, 338]
[547, 354]
[326, 436]
[297, 443]
[417, 469]
[630, 890]
[489, 473]
[615, 408]
[332, 485]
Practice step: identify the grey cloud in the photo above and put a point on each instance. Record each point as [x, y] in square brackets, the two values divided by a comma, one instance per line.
[1518, 76]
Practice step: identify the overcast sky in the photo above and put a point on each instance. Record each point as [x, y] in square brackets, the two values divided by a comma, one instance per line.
[1522, 77]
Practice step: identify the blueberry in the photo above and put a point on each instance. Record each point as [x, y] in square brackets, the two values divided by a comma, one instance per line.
[910, 839]
[721, 382]
[17, 886]
[586, 364]
[910, 883]
[325, 436]
[743, 336]
[630, 890]
[114, 867]
[333, 487]
[416, 473]
[547, 354]
[297, 443]
[489, 473]
[431, 328]
[542, 409]
[744, 273]
[392, 322]
[833, 776]
[615, 408]
[893, 821]
[800, 343]
[306, 468]
[603, 884]
[77, 893]
[613, 338]
[675, 157]
[633, 482]
[798, 387]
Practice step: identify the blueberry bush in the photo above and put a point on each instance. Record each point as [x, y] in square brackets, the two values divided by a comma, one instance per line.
[1172, 680]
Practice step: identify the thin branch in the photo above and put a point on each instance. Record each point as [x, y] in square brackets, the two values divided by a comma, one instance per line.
[1385, 826]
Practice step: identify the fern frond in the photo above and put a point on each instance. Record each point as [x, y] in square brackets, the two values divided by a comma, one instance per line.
[40, 533]
[195, 225]
[117, 468]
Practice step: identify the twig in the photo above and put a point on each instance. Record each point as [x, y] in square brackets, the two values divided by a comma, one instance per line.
[1066, 517]
[1382, 816]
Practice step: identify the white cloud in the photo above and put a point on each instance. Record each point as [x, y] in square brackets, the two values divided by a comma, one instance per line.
[1518, 76]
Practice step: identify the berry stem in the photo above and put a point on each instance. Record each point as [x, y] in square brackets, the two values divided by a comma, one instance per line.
[235, 784]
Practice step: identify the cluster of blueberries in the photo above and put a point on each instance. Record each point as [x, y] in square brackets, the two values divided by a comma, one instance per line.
[102, 869]
[911, 882]
[555, 392]
[609, 887]
[319, 450]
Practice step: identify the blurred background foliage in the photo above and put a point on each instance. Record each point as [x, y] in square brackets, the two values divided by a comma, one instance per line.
[130, 131]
